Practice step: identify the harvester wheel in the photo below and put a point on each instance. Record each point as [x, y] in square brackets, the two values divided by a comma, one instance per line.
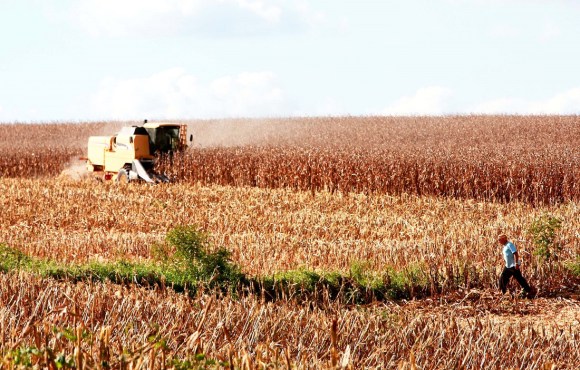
[123, 177]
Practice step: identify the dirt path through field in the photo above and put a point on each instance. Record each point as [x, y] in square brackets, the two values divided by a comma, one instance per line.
[550, 316]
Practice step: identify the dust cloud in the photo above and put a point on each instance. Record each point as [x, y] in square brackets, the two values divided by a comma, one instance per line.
[245, 132]
[75, 170]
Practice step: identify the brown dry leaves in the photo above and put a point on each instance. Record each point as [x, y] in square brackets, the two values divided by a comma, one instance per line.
[534, 159]
[269, 230]
[382, 336]
[502, 158]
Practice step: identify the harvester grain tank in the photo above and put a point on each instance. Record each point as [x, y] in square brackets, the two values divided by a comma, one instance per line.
[130, 154]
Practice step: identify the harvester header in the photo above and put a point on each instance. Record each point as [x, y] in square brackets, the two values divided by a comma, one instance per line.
[130, 154]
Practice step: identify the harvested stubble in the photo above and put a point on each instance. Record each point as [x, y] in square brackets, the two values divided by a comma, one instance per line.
[278, 230]
[270, 231]
[94, 324]
[500, 158]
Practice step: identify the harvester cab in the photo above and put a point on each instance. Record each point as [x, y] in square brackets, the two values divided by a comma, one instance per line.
[166, 137]
[130, 155]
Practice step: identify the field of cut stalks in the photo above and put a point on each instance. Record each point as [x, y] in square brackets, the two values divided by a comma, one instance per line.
[361, 242]
[106, 326]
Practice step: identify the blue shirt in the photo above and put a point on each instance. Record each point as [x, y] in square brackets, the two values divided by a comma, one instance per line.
[508, 254]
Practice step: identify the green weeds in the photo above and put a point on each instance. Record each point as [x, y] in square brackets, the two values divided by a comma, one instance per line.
[574, 267]
[187, 262]
[544, 232]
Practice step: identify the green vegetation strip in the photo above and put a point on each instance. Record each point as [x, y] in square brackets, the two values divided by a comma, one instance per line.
[186, 262]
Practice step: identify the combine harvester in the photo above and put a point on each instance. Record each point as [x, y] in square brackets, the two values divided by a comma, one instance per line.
[130, 155]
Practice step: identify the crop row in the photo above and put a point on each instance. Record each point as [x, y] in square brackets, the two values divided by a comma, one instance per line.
[93, 326]
[270, 231]
[497, 158]
[548, 180]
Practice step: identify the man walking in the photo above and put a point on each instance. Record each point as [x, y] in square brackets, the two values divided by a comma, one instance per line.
[512, 267]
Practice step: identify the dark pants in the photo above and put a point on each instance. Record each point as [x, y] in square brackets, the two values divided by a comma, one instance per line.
[507, 273]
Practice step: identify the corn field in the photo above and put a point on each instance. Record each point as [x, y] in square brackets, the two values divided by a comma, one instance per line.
[427, 194]
[273, 230]
[496, 158]
[104, 326]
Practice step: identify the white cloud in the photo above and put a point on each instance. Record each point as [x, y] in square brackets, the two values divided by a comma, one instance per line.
[502, 105]
[176, 94]
[506, 2]
[328, 107]
[344, 24]
[427, 100]
[16, 114]
[269, 12]
[436, 100]
[505, 31]
[547, 33]
[567, 102]
[550, 32]
[114, 18]
[563, 103]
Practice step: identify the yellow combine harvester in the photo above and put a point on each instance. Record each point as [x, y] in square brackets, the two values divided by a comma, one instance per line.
[130, 155]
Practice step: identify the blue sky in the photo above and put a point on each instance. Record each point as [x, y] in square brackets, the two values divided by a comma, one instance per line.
[131, 59]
